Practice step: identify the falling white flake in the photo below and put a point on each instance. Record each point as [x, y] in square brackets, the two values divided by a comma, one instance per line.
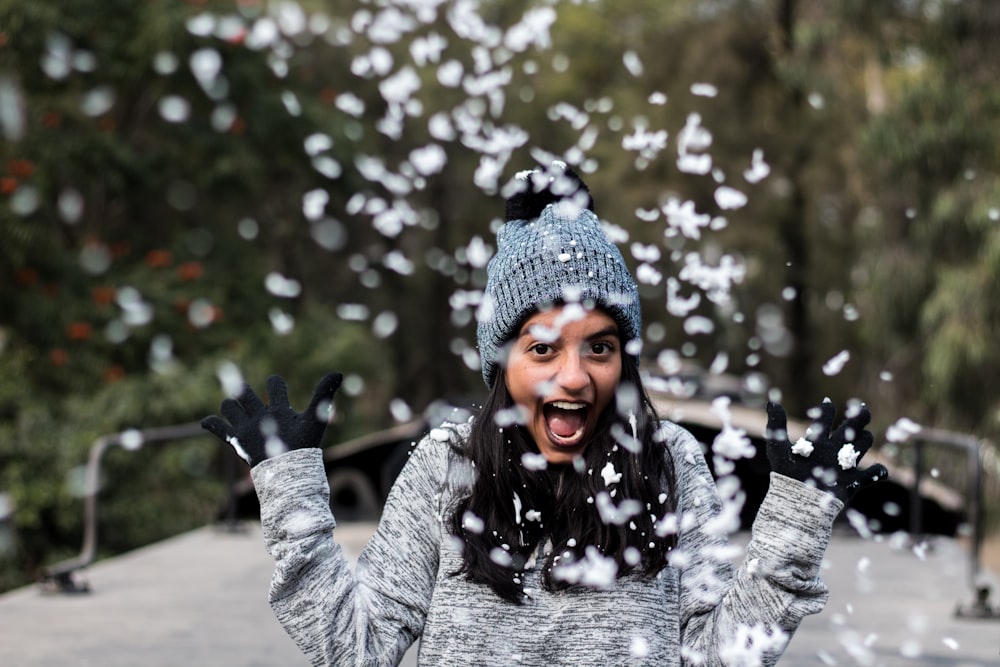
[174, 108]
[902, 430]
[638, 647]
[715, 281]
[759, 169]
[532, 29]
[632, 63]
[281, 322]
[684, 219]
[317, 142]
[731, 443]
[847, 457]
[698, 325]
[645, 143]
[729, 198]
[594, 570]
[350, 104]
[836, 363]
[647, 274]
[399, 87]
[450, 73]
[280, 286]
[802, 447]
[428, 160]
[610, 475]
[645, 253]
[620, 514]
[704, 90]
[676, 304]
[694, 164]
[693, 137]
[533, 461]
[440, 435]
[97, 101]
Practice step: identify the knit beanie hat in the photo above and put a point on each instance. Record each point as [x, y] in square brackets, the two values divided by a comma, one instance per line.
[551, 250]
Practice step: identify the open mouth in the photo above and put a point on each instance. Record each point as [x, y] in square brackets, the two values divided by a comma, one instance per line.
[565, 422]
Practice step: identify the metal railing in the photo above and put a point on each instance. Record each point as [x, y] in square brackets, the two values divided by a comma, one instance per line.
[980, 606]
[62, 577]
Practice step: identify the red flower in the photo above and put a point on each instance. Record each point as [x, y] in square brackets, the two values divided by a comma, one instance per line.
[20, 168]
[120, 248]
[26, 276]
[79, 331]
[113, 374]
[103, 295]
[190, 271]
[158, 259]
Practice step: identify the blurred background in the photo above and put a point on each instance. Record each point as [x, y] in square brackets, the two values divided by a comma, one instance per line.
[197, 193]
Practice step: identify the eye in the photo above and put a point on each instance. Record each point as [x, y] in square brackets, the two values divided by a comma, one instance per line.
[602, 348]
[540, 349]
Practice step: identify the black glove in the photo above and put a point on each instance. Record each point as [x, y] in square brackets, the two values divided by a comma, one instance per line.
[830, 465]
[257, 431]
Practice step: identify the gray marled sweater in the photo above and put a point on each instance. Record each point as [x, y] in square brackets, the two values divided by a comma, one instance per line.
[697, 611]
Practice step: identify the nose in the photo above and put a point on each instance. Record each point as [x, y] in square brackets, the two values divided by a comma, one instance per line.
[571, 375]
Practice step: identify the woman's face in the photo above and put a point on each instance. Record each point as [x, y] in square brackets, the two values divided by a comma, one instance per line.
[563, 370]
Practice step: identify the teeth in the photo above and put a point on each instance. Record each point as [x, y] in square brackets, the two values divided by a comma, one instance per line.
[566, 405]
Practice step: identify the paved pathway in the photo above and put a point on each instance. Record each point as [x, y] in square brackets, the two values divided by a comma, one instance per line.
[893, 605]
[199, 599]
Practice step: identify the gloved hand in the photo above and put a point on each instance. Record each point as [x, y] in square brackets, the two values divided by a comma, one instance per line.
[824, 458]
[257, 431]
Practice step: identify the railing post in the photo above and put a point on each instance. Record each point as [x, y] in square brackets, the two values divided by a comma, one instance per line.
[980, 606]
[916, 501]
[61, 576]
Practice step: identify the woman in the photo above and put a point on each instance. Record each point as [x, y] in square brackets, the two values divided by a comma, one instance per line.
[565, 524]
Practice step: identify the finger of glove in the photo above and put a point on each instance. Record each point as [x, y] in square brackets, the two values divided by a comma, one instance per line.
[218, 427]
[853, 427]
[777, 422]
[249, 401]
[872, 475]
[234, 411]
[823, 424]
[277, 392]
[863, 442]
[323, 394]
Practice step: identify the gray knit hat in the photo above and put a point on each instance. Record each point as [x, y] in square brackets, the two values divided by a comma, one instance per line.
[551, 249]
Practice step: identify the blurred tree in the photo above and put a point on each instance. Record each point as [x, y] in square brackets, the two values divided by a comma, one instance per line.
[157, 168]
[932, 229]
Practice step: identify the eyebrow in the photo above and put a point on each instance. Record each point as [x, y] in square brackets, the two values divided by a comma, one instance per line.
[610, 330]
[607, 331]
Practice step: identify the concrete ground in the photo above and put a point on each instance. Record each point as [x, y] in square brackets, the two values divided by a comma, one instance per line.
[200, 599]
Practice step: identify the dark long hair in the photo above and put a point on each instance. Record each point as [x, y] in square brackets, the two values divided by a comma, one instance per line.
[563, 503]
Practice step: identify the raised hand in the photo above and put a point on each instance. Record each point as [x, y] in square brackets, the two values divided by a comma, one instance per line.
[258, 431]
[825, 458]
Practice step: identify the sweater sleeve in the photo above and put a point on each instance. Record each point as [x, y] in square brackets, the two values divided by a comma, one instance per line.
[368, 616]
[727, 613]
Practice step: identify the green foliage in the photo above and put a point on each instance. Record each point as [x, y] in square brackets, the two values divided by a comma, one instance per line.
[154, 227]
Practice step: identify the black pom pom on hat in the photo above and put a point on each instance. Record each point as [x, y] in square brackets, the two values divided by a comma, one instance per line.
[544, 187]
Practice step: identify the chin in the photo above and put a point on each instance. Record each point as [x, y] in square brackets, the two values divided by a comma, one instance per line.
[556, 455]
